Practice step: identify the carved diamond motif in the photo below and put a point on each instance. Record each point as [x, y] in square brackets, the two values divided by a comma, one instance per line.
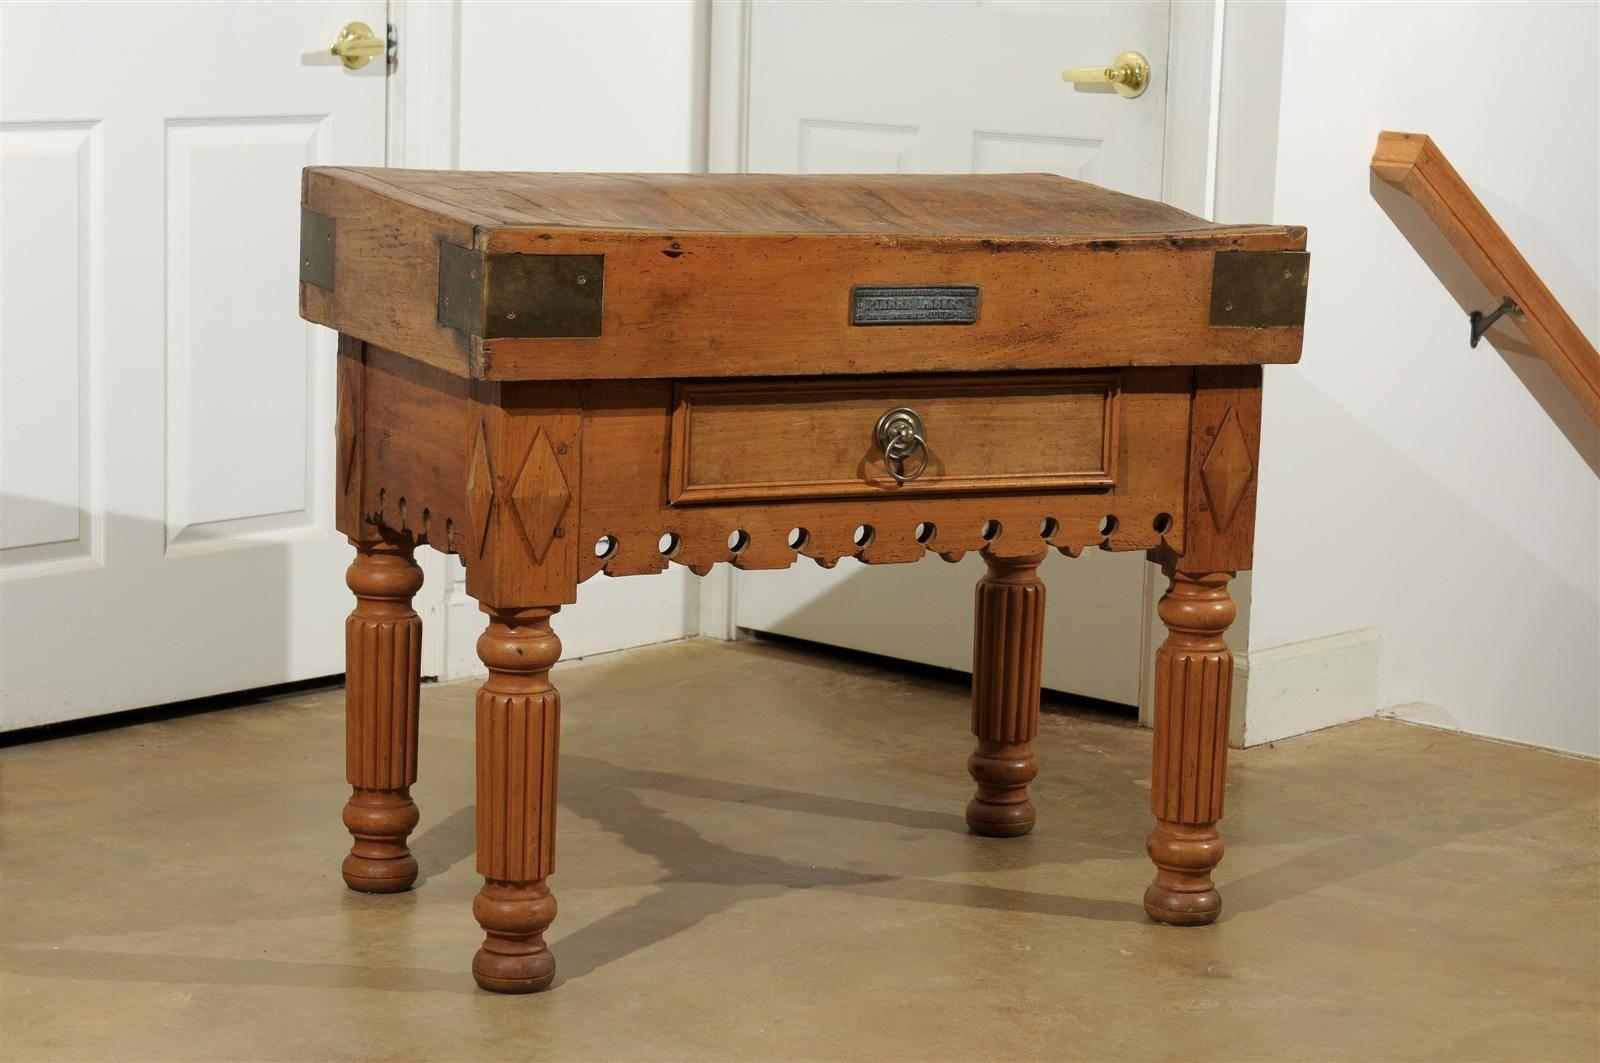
[540, 495]
[1226, 472]
[480, 489]
[346, 436]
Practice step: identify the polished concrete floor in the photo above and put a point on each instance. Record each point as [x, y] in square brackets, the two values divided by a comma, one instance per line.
[762, 856]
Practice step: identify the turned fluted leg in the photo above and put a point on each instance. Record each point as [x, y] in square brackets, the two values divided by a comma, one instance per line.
[1007, 648]
[1194, 680]
[519, 721]
[383, 640]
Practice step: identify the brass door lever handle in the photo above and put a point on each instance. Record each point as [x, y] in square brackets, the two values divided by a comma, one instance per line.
[1129, 75]
[357, 45]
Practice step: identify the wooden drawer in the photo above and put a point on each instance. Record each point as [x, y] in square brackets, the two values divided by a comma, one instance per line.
[740, 441]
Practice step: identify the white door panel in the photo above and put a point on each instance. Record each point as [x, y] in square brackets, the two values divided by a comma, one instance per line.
[954, 87]
[957, 87]
[49, 178]
[167, 462]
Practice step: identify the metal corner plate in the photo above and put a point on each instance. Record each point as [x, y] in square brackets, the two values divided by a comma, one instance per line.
[513, 296]
[1259, 289]
[461, 272]
[317, 241]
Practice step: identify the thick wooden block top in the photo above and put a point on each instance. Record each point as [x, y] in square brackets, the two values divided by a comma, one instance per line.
[1000, 206]
[596, 276]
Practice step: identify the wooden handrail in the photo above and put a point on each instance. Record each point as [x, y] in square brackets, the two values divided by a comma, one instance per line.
[1414, 164]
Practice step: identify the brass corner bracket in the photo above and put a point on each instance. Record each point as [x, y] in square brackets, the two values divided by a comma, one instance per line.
[1259, 289]
[513, 296]
[317, 242]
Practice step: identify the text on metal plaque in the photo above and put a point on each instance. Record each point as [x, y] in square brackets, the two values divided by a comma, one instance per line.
[916, 305]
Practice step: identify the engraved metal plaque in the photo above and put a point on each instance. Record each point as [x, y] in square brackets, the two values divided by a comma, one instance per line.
[914, 305]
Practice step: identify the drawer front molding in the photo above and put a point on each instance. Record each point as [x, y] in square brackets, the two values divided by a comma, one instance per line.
[747, 441]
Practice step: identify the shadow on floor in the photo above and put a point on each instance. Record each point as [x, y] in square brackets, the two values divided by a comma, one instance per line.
[699, 878]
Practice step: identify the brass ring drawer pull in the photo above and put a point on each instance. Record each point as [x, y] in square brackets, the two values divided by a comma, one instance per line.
[900, 436]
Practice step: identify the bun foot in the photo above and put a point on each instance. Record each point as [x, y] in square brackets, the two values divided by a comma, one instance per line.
[999, 821]
[514, 917]
[380, 821]
[1002, 771]
[394, 875]
[1183, 893]
[520, 973]
[1176, 908]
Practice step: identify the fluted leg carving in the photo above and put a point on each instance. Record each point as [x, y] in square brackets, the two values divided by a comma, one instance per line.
[1007, 650]
[383, 642]
[1193, 683]
[519, 719]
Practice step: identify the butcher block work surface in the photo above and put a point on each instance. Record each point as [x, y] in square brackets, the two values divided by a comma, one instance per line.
[702, 273]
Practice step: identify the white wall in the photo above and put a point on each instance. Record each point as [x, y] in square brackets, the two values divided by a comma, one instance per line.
[1411, 487]
[603, 86]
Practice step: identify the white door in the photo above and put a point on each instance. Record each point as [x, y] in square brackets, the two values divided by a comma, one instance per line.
[953, 88]
[167, 524]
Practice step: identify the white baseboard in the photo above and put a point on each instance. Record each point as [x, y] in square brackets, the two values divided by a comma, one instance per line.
[1305, 686]
[1424, 714]
[715, 617]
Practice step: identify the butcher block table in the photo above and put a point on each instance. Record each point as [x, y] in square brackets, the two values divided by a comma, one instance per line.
[554, 376]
